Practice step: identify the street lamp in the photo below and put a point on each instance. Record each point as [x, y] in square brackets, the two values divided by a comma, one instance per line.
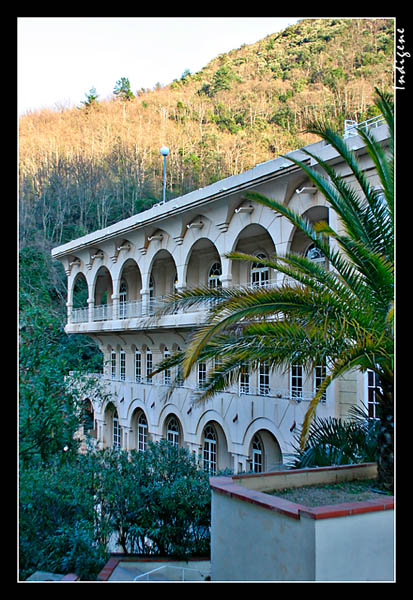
[164, 151]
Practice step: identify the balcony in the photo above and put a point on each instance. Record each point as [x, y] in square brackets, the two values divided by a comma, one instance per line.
[139, 314]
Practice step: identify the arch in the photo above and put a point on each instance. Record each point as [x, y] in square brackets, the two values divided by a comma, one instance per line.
[253, 239]
[163, 271]
[215, 452]
[111, 428]
[269, 437]
[199, 259]
[138, 429]
[79, 291]
[297, 241]
[172, 429]
[102, 286]
[129, 274]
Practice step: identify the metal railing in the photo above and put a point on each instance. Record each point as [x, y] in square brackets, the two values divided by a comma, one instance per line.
[350, 127]
[172, 573]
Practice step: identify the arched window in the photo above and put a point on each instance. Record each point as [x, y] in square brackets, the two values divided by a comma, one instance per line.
[260, 274]
[142, 433]
[122, 300]
[214, 276]
[172, 431]
[257, 456]
[314, 254]
[116, 430]
[210, 450]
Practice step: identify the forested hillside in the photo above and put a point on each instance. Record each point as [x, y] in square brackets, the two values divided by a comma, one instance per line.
[84, 168]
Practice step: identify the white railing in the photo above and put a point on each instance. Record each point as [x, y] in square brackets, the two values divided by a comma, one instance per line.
[102, 312]
[80, 315]
[131, 309]
[350, 127]
[172, 573]
[136, 309]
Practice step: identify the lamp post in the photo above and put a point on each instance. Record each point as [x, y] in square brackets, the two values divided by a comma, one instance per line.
[164, 151]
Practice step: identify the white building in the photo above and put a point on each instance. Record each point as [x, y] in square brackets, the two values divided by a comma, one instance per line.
[181, 244]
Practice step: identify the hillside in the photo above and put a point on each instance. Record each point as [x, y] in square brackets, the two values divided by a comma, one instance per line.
[84, 168]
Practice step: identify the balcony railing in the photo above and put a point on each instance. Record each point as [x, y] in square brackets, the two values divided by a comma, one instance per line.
[243, 389]
[350, 127]
[136, 308]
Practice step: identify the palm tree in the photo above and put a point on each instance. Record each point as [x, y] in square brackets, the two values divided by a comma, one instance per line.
[341, 316]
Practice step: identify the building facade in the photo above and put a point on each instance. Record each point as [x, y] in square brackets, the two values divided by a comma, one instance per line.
[123, 271]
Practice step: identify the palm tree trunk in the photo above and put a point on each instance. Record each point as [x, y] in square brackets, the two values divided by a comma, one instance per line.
[385, 458]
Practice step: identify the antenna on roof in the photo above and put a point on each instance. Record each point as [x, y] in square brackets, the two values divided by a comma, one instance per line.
[164, 151]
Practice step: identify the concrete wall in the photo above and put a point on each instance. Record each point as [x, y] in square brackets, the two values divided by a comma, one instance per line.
[261, 537]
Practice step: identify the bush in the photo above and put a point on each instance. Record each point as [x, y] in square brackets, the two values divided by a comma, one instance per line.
[158, 501]
[334, 441]
[154, 502]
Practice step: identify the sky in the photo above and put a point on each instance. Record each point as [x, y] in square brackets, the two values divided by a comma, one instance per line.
[61, 58]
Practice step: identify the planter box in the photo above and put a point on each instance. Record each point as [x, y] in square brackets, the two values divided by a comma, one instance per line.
[260, 537]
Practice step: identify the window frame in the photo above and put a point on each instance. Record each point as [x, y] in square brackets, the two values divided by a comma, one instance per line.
[296, 381]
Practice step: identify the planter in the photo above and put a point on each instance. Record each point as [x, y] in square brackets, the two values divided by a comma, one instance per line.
[260, 537]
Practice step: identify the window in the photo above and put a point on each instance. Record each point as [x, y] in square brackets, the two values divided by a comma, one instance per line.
[210, 450]
[148, 365]
[172, 432]
[372, 402]
[256, 455]
[260, 275]
[113, 364]
[179, 378]
[320, 373]
[314, 254]
[138, 366]
[116, 430]
[244, 380]
[122, 361]
[263, 379]
[167, 372]
[214, 276]
[142, 433]
[296, 381]
[151, 294]
[122, 301]
[202, 370]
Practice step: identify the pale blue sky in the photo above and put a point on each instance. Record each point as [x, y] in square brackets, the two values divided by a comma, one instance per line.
[62, 58]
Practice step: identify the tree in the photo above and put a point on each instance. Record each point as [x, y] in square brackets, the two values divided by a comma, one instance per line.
[158, 501]
[91, 98]
[122, 89]
[341, 316]
[49, 410]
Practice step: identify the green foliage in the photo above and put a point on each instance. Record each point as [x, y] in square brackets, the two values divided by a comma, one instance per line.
[156, 502]
[48, 409]
[91, 99]
[60, 529]
[122, 89]
[335, 441]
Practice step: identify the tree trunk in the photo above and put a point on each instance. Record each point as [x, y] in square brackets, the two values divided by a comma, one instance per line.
[385, 458]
